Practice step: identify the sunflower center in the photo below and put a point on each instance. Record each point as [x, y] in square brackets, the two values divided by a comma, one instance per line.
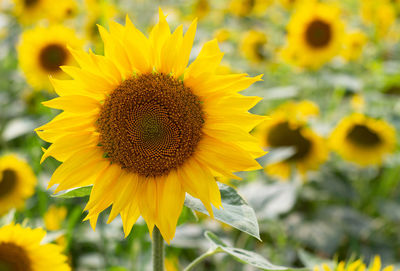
[363, 136]
[52, 57]
[13, 258]
[7, 183]
[318, 34]
[150, 124]
[282, 135]
[30, 3]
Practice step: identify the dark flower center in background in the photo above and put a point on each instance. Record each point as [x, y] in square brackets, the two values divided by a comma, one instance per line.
[30, 3]
[8, 182]
[52, 57]
[282, 135]
[363, 136]
[13, 258]
[318, 34]
[150, 124]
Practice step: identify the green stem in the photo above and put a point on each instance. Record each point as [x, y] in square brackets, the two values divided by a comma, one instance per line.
[201, 258]
[158, 250]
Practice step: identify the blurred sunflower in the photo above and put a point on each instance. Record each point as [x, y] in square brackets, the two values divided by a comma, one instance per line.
[358, 265]
[287, 128]
[201, 8]
[353, 44]
[363, 140]
[61, 10]
[381, 14]
[54, 217]
[42, 51]
[29, 11]
[143, 128]
[21, 249]
[17, 183]
[243, 8]
[253, 46]
[315, 34]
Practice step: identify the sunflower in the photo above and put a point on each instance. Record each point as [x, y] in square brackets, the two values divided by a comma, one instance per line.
[144, 129]
[358, 265]
[201, 8]
[253, 46]
[315, 33]
[42, 51]
[22, 249]
[242, 8]
[54, 217]
[353, 45]
[17, 182]
[287, 128]
[363, 140]
[381, 14]
[29, 11]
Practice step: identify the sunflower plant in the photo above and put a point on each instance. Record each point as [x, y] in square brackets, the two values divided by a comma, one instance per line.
[142, 129]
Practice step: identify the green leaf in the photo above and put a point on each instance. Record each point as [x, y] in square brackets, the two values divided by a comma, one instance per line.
[245, 256]
[74, 193]
[235, 211]
[187, 216]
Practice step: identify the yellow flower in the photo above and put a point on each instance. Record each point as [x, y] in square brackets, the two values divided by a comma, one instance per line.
[21, 249]
[54, 217]
[201, 8]
[379, 13]
[315, 34]
[288, 128]
[42, 51]
[171, 264]
[29, 11]
[17, 183]
[358, 265]
[253, 46]
[353, 45]
[363, 140]
[243, 8]
[144, 129]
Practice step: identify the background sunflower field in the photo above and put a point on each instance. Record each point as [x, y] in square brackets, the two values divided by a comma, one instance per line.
[329, 191]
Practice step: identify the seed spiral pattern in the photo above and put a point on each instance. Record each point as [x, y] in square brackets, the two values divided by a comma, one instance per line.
[150, 124]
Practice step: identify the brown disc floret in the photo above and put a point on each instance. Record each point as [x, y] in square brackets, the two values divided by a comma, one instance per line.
[283, 135]
[13, 257]
[150, 124]
[318, 34]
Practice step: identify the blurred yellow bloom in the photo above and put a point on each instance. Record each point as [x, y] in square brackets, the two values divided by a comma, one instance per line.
[41, 52]
[243, 8]
[171, 264]
[222, 34]
[380, 13]
[357, 102]
[30, 11]
[201, 8]
[54, 217]
[253, 46]
[353, 45]
[363, 140]
[17, 183]
[358, 265]
[315, 34]
[286, 128]
[22, 249]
